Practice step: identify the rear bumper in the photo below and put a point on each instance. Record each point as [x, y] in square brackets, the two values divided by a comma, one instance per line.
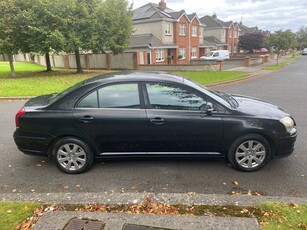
[285, 145]
[30, 144]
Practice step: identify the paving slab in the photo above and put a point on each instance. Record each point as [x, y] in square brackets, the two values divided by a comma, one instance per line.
[58, 220]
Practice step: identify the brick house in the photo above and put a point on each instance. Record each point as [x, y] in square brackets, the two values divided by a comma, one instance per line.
[162, 35]
[225, 32]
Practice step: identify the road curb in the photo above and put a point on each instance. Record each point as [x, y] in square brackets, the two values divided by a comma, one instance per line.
[139, 198]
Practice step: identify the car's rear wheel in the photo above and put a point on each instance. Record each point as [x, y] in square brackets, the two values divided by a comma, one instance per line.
[72, 155]
[249, 153]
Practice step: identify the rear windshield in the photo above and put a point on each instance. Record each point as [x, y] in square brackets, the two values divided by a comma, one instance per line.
[57, 96]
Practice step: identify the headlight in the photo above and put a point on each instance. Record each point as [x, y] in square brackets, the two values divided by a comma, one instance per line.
[288, 123]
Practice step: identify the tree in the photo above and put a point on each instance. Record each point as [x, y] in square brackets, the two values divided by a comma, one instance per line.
[113, 26]
[302, 37]
[251, 41]
[8, 31]
[39, 22]
[78, 26]
[281, 40]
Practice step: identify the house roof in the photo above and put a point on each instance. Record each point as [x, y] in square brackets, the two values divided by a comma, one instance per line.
[146, 40]
[214, 40]
[214, 22]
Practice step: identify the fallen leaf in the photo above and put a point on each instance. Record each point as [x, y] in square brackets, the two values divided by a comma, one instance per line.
[66, 187]
[235, 183]
[298, 211]
[78, 186]
[32, 190]
[14, 190]
[9, 211]
[38, 165]
[224, 183]
[6, 186]
[10, 166]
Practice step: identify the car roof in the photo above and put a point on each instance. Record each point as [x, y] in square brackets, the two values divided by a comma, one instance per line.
[135, 76]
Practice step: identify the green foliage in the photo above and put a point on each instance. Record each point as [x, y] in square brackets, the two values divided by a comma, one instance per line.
[251, 41]
[282, 40]
[13, 213]
[302, 37]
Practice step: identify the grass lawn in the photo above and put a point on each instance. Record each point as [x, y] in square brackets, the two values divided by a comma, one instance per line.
[13, 213]
[283, 64]
[206, 78]
[32, 80]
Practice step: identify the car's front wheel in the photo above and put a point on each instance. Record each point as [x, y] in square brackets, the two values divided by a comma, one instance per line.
[249, 153]
[72, 155]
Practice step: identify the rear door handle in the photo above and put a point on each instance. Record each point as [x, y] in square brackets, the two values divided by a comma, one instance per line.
[157, 121]
[86, 119]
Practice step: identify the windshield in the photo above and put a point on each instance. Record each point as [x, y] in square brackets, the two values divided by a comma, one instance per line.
[209, 54]
[223, 98]
[57, 96]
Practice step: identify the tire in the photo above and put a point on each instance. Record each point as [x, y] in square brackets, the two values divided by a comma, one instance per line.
[72, 155]
[249, 153]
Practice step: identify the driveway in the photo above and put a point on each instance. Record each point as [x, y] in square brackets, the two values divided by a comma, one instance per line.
[20, 173]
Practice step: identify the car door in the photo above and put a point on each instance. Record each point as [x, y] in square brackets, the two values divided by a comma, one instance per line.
[112, 117]
[180, 120]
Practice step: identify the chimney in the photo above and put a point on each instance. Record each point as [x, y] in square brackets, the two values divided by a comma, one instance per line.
[214, 16]
[162, 5]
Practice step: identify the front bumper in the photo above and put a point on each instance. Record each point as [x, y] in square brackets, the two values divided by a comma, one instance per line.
[284, 146]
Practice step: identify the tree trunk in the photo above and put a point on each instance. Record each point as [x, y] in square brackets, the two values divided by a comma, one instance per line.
[13, 74]
[78, 61]
[48, 64]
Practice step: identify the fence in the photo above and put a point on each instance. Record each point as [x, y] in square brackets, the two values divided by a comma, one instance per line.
[126, 61]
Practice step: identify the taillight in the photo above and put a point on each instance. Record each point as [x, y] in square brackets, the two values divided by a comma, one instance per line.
[22, 111]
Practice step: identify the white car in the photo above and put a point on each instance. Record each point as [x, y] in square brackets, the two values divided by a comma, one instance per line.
[216, 55]
[304, 51]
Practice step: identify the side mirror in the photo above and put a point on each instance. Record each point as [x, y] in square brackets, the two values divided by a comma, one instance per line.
[207, 107]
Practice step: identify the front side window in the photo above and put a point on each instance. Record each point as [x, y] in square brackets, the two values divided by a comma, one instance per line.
[169, 97]
[159, 55]
[112, 96]
[182, 29]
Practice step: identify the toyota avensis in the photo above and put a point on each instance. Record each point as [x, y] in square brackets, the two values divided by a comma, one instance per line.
[150, 114]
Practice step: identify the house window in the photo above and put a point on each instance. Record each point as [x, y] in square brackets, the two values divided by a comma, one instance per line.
[182, 52]
[168, 29]
[194, 52]
[159, 55]
[182, 29]
[223, 32]
[194, 31]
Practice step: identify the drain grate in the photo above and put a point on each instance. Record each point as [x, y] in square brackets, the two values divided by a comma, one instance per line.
[140, 227]
[81, 224]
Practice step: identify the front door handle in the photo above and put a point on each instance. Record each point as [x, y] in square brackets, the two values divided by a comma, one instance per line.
[86, 119]
[157, 121]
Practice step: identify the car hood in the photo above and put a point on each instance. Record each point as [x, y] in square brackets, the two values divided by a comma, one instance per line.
[259, 108]
[39, 101]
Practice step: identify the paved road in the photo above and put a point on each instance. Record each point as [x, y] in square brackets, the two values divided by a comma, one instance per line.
[284, 177]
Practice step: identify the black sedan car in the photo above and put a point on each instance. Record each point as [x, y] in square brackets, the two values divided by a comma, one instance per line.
[150, 114]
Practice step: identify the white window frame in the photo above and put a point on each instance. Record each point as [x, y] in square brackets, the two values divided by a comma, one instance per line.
[182, 29]
[182, 52]
[159, 55]
[194, 52]
[194, 31]
[167, 29]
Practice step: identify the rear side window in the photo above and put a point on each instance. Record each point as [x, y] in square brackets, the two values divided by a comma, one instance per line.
[113, 96]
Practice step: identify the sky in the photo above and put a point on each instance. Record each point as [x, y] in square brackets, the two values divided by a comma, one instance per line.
[269, 15]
